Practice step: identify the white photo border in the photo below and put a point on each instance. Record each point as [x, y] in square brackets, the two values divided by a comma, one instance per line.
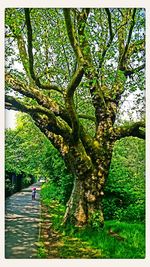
[75, 262]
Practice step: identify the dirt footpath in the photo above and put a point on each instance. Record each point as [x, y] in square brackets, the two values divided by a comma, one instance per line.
[22, 223]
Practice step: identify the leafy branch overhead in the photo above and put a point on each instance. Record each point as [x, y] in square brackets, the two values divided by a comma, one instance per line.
[76, 26]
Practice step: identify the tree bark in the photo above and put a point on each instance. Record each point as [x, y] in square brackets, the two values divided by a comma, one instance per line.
[90, 171]
[84, 206]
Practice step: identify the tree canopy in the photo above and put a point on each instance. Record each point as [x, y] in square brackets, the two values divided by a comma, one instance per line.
[64, 62]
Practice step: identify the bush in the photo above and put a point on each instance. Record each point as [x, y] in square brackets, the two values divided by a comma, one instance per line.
[49, 192]
[59, 175]
[125, 188]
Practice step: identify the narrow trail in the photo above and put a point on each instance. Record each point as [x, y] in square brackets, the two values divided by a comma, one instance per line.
[22, 222]
[25, 220]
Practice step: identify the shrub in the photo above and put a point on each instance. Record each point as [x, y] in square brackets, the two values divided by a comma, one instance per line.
[125, 187]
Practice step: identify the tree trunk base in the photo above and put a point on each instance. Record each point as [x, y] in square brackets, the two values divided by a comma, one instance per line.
[81, 213]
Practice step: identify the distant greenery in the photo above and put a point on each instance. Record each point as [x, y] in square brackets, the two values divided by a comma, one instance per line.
[60, 180]
[125, 187]
[29, 152]
[26, 148]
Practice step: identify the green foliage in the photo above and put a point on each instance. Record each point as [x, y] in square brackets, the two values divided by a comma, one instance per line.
[49, 192]
[12, 144]
[131, 246]
[54, 60]
[125, 188]
[41, 251]
[59, 177]
[9, 187]
[28, 151]
[58, 190]
[34, 146]
[24, 154]
[95, 220]
[128, 242]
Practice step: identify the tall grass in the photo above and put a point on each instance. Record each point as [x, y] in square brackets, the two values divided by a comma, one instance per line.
[132, 245]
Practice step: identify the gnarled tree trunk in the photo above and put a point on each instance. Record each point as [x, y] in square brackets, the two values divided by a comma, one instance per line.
[90, 170]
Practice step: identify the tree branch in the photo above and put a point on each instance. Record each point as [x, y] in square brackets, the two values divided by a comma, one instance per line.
[136, 129]
[35, 94]
[31, 92]
[31, 58]
[84, 44]
[50, 122]
[110, 38]
[82, 18]
[110, 24]
[137, 46]
[72, 35]
[21, 47]
[30, 47]
[75, 81]
[87, 117]
[129, 37]
[20, 105]
[13, 103]
[129, 72]
[77, 77]
[23, 54]
[65, 54]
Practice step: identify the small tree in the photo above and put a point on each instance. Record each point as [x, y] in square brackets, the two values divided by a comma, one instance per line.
[73, 65]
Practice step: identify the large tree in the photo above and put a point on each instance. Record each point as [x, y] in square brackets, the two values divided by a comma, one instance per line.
[68, 69]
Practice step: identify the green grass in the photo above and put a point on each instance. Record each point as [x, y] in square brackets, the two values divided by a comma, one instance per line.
[132, 247]
[41, 251]
[86, 242]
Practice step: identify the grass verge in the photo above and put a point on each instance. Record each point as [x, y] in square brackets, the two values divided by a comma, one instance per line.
[117, 240]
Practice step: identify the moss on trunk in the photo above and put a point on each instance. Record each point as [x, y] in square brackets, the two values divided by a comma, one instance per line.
[84, 206]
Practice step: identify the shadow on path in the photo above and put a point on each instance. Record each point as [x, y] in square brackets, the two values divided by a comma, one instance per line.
[22, 222]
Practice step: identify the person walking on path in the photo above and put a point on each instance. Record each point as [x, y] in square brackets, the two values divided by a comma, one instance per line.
[33, 193]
